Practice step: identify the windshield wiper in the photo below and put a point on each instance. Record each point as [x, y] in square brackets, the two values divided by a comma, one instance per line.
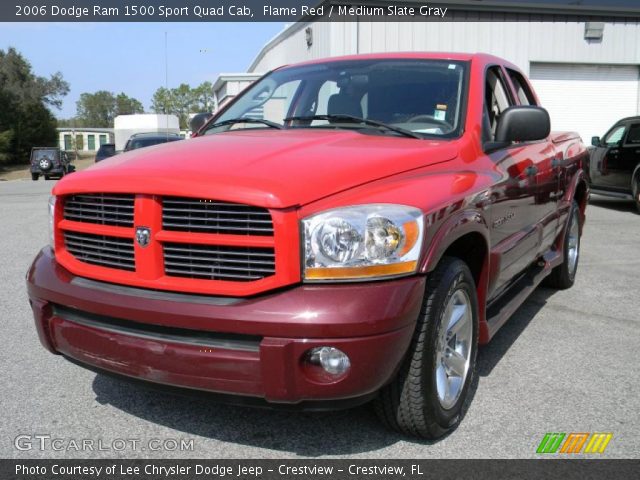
[233, 121]
[354, 119]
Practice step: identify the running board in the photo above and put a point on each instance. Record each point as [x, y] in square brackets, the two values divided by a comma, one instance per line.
[501, 309]
[611, 194]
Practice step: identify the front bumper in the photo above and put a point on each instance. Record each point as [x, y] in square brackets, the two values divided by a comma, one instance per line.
[241, 346]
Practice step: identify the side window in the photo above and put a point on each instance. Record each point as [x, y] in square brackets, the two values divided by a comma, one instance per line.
[614, 136]
[496, 101]
[633, 137]
[525, 96]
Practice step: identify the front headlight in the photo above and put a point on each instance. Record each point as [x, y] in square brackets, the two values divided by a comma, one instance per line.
[362, 242]
[52, 212]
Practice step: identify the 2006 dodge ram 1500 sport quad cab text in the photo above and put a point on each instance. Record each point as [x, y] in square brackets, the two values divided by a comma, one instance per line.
[344, 230]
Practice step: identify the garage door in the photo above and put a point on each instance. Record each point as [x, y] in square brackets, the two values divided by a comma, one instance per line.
[588, 99]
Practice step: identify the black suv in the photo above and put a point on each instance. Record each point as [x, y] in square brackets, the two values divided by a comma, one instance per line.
[106, 150]
[49, 162]
[141, 140]
[614, 163]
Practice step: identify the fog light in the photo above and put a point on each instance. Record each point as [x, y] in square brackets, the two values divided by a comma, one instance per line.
[331, 359]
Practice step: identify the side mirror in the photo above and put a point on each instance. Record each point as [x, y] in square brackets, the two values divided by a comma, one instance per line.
[199, 120]
[523, 124]
[595, 141]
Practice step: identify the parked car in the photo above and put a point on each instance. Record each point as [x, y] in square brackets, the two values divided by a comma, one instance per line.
[614, 161]
[106, 150]
[343, 231]
[141, 140]
[49, 162]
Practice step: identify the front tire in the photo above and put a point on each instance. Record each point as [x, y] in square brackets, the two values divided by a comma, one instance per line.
[564, 275]
[428, 397]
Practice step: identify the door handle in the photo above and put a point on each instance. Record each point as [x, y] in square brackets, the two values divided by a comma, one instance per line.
[531, 170]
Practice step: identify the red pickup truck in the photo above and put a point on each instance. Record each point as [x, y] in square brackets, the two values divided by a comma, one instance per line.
[344, 230]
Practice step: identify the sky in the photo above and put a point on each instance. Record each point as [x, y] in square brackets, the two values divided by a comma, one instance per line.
[130, 57]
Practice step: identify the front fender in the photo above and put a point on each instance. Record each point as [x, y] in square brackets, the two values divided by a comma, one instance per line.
[455, 227]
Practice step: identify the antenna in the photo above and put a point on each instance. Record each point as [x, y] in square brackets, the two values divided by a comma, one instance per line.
[166, 84]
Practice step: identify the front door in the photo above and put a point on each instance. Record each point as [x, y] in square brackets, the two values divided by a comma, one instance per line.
[629, 157]
[604, 158]
[516, 235]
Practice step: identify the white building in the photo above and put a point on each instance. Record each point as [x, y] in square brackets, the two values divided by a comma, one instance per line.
[228, 85]
[585, 72]
[85, 140]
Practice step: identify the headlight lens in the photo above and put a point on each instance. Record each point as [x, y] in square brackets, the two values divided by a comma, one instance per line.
[364, 241]
[52, 211]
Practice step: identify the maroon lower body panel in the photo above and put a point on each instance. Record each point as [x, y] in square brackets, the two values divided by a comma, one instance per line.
[251, 347]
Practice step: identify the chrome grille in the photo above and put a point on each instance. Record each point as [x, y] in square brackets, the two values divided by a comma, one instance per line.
[214, 262]
[113, 252]
[209, 216]
[101, 208]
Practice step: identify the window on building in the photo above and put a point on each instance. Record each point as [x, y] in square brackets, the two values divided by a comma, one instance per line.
[103, 139]
[91, 142]
[79, 142]
[522, 88]
[67, 142]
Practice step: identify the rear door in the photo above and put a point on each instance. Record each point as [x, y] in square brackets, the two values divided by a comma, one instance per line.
[548, 166]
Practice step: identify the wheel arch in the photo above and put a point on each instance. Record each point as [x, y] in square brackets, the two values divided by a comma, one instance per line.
[466, 237]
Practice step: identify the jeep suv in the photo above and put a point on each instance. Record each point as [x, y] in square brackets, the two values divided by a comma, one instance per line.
[49, 162]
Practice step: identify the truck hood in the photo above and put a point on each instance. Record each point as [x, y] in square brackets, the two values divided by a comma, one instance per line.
[270, 168]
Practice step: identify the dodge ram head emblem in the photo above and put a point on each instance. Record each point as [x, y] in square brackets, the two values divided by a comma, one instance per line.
[143, 236]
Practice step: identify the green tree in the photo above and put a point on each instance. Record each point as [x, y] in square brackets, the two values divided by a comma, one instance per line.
[25, 118]
[100, 108]
[204, 97]
[127, 105]
[183, 100]
[96, 109]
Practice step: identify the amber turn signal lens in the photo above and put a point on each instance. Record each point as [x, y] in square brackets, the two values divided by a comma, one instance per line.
[340, 273]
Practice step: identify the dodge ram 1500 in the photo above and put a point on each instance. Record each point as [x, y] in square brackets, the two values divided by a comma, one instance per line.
[344, 230]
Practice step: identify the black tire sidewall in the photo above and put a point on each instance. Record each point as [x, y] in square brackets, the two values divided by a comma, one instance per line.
[457, 277]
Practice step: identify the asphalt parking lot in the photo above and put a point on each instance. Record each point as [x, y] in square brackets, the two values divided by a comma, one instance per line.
[566, 362]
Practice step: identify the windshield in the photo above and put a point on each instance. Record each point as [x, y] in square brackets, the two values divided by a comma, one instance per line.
[422, 96]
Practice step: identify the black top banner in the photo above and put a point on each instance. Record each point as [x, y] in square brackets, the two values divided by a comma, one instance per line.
[309, 10]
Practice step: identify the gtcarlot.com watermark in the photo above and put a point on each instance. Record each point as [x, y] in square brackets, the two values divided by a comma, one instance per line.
[47, 442]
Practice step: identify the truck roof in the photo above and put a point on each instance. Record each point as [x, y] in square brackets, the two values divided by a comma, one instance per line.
[464, 57]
